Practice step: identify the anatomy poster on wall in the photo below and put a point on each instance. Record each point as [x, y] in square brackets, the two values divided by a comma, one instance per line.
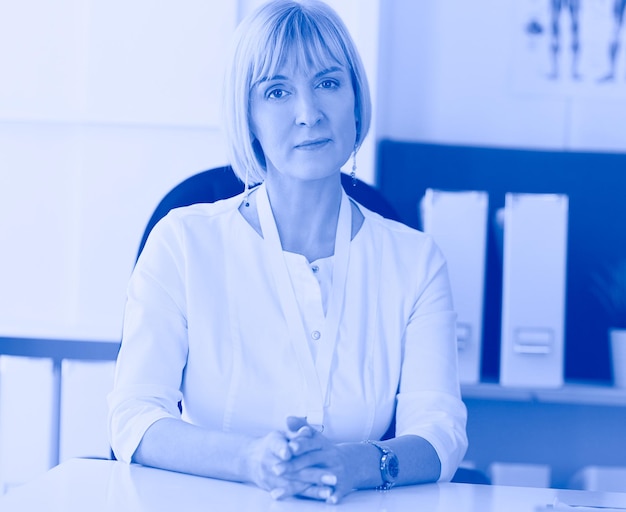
[571, 47]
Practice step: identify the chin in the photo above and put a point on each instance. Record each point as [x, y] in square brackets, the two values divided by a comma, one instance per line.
[319, 170]
[318, 174]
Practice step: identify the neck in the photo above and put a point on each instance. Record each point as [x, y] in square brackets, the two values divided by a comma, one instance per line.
[306, 213]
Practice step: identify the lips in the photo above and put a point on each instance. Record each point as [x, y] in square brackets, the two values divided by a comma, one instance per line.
[312, 144]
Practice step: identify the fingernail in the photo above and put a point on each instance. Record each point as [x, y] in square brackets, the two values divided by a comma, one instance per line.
[325, 494]
[295, 446]
[332, 500]
[278, 469]
[329, 479]
[277, 493]
[284, 453]
[305, 431]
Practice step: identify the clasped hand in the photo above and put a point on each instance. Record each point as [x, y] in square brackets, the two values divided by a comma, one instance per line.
[301, 462]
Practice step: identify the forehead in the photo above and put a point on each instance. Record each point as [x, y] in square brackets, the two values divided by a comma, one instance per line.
[305, 51]
[291, 70]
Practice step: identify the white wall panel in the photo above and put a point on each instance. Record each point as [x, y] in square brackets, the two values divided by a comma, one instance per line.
[85, 385]
[38, 226]
[25, 418]
[41, 58]
[157, 61]
[109, 105]
[74, 210]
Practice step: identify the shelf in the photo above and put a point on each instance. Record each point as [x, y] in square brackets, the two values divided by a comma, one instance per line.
[570, 393]
[578, 393]
[59, 349]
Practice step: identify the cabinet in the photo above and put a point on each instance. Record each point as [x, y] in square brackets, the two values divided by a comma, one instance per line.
[568, 428]
[52, 403]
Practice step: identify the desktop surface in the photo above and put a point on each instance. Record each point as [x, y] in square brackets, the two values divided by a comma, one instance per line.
[102, 485]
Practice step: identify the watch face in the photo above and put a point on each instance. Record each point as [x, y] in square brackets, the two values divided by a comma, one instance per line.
[391, 465]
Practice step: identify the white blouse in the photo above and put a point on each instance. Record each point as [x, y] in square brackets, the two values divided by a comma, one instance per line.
[311, 284]
[205, 324]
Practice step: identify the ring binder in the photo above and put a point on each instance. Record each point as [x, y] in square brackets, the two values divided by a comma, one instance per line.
[457, 222]
[533, 290]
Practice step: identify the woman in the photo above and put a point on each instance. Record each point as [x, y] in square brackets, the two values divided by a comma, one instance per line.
[291, 322]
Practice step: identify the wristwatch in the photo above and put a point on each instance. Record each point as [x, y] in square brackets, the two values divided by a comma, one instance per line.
[388, 466]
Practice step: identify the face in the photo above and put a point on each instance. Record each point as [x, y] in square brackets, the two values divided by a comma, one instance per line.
[304, 120]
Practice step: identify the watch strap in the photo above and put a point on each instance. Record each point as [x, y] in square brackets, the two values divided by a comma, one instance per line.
[387, 457]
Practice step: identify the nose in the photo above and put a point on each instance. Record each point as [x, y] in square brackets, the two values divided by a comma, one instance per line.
[308, 111]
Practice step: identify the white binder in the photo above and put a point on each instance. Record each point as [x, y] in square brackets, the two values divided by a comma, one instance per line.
[457, 222]
[533, 290]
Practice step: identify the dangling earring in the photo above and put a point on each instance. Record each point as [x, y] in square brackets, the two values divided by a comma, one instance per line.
[353, 173]
[246, 203]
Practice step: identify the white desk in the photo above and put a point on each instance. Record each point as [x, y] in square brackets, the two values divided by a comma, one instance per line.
[100, 485]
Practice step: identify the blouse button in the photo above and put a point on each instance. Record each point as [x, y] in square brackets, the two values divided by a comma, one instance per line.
[316, 335]
[315, 269]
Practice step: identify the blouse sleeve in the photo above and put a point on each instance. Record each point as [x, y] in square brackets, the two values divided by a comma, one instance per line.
[154, 343]
[429, 399]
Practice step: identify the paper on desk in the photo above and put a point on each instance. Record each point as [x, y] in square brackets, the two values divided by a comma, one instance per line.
[559, 506]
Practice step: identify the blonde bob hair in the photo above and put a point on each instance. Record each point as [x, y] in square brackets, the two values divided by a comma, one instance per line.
[308, 30]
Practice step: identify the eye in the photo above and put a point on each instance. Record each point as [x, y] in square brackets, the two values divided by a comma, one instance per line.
[276, 94]
[328, 84]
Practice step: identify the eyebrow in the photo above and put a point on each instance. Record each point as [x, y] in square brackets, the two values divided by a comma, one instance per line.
[332, 69]
[326, 71]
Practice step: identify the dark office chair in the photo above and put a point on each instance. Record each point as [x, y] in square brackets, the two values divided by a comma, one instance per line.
[470, 476]
[221, 183]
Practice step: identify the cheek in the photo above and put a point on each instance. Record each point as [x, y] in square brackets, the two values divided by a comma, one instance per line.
[349, 118]
[258, 116]
[349, 127]
[259, 132]
[266, 125]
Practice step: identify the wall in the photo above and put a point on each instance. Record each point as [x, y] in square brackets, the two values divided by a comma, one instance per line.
[110, 104]
[470, 73]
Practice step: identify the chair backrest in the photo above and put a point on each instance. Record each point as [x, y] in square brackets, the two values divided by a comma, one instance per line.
[222, 183]
[470, 476]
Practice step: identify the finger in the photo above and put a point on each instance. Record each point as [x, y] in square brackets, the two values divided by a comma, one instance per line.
[285, 489]
[331, 495]
[301, 426]
[318, 476]
[279, 446]
[301, 433]
[303, 444]
[294, 423]
[312, 459]
[318, 492]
